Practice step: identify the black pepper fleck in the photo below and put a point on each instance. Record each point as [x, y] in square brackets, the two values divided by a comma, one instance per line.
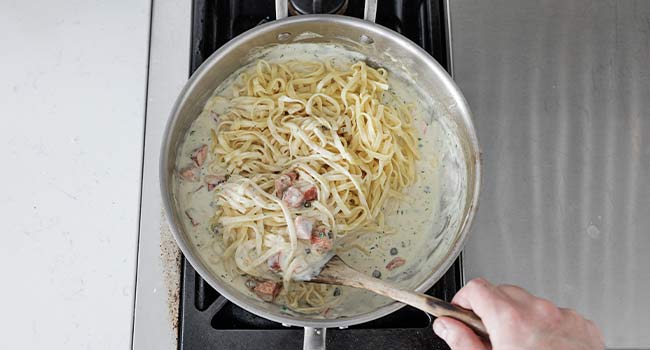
[376, 274]
[337, 291]
[393, 251]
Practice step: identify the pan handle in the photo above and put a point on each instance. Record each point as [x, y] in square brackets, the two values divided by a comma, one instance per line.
[281, 9]
[314, 339]
[369, 10]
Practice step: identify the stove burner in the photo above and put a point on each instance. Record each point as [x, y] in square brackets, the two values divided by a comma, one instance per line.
[305, 7]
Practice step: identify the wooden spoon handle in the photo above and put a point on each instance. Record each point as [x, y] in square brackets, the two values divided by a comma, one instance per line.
[337, 272]
[440, 308]
[426, 303]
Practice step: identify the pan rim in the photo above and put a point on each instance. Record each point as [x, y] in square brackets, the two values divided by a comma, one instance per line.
[304, 321]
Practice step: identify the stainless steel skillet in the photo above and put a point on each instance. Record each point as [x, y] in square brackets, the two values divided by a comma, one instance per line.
[380, 45]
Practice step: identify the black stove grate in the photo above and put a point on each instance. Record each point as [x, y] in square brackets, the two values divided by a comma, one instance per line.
[208, 320]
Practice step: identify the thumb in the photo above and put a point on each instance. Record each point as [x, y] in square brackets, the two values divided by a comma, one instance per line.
[457, 335]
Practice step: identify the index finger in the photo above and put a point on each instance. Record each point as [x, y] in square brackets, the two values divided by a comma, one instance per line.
[481, 297]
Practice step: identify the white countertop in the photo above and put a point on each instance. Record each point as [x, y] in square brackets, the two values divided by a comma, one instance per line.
[73, 92]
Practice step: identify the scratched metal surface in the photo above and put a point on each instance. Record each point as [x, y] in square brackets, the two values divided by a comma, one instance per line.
[560, 93]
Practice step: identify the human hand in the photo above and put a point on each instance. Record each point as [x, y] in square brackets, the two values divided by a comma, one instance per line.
[516, 320]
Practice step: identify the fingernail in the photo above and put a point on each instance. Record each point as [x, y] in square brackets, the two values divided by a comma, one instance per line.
[440, 328]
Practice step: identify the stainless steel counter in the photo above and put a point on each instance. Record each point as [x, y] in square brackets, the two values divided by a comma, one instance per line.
[560, 92]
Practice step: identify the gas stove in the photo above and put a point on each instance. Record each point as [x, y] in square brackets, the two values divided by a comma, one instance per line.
[207, 320]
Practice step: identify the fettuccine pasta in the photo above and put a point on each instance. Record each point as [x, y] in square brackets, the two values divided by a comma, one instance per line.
[304, 155]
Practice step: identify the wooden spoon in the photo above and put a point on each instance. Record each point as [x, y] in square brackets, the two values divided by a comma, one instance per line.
[339, 273]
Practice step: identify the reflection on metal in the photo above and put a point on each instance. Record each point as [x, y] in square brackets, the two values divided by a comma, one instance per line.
[560, 93]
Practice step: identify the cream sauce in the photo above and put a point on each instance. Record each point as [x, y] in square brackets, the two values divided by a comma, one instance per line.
[414, 225]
